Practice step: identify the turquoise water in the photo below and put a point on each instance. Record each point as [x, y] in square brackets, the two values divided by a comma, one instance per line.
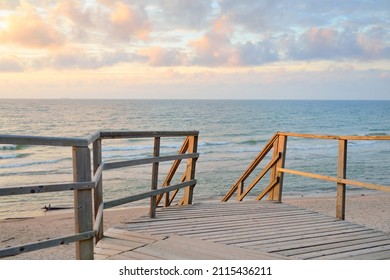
[232, 133]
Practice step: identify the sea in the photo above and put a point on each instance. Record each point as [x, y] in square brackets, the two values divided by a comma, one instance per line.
[231, 134]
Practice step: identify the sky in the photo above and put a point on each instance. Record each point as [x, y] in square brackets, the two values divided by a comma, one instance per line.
[195, 49]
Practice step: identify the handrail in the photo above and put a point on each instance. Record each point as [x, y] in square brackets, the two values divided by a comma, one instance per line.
[145, 134]
[276, 166]
[336, 137]
[44, 140]
[88, 226]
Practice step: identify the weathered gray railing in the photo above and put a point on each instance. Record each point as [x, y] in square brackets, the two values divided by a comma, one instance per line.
[88, 184]
[276, 168]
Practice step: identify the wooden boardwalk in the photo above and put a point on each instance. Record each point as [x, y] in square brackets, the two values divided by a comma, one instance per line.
[242, 230]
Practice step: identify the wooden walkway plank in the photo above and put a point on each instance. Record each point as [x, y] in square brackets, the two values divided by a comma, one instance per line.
[178, 247]
[330, 244]
[310, 247]
[200, 217]
[322, 233]
[264, 231]
[381, 255]
[244, 230]
[208, 226]
[132, 236]
[353, 251]
[133, 255]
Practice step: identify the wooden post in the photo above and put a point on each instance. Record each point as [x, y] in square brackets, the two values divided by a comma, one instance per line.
[98, 192]
[153, 199]
[276, 192]
[190, 171]
[341, 173]
[83, 202]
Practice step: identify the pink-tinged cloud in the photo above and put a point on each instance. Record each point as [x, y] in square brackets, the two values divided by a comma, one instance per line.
[371, 47]
[127, 22]
[30, 30]
[74, 11]
[157, 56]
[215, 47]
[328, 43]
[318, 37]
[319, 43]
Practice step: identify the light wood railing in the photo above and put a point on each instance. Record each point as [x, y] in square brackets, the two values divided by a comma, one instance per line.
[276, 168]
[88, 183]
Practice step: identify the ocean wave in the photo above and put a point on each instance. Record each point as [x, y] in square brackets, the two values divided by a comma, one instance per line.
[25, 164]
[308, 147]
[221, 143]
[125, 156]
[362, 143]
[376, 134]
[9, 156]
[11, 147]
[251, 142]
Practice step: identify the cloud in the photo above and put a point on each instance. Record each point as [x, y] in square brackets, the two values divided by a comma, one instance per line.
[214, 48]
[257, 54]
[298, 30]
[374, 42]
[211, 33]
[78, 58]
[75, 12]
[157, 56]
[217, 48]
[253, 15]
[318, 43]
[328, 43]
[8, 4]
[28, 29]
[193, 14]
[10, 64]
[126, 22]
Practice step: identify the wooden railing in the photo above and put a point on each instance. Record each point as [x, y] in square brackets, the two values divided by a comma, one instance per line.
[88, 184]
[276, 168]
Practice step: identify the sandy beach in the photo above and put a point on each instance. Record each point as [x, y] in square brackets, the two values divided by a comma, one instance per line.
[371, 210]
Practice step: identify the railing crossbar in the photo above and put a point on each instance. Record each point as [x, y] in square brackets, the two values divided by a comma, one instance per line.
[16, 250]
[33, 189]
[125, 200]
[335, 179]
[135, 162]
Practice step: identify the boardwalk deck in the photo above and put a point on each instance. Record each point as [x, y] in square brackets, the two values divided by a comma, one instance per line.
[244, 230]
